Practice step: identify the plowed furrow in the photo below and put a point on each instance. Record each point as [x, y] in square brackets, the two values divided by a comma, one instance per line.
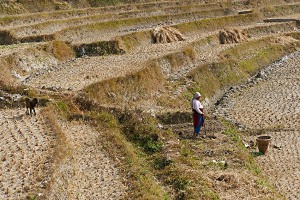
[25, 150]
[86, 172]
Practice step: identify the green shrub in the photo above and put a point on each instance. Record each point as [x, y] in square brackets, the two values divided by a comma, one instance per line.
[98, 49]
[140, 128]
[62, 106]
[180, 183]
[161, 162]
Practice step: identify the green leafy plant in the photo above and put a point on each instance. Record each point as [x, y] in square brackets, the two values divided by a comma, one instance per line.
[161, 163]
[180, 183]
[139, 128]
[62, 106]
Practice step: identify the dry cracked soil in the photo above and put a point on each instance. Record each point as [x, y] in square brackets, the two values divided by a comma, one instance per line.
[270, 105]
[27, 143]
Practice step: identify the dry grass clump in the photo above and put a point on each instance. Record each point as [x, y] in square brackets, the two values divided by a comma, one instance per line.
[6, 37]
[5, 75]
[167, 35]
[232, 35]
[285, 40]
[98, 48]
[11, 8]
[60, 50]
[133, 40]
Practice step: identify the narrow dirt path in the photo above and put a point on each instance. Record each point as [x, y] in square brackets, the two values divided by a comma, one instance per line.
[26, 146]
[271, 102]
[86, 172]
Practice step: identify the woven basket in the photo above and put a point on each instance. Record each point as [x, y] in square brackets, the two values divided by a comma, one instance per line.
[263, 143]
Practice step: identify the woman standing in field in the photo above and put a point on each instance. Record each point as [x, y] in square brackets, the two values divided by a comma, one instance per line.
[198, 114]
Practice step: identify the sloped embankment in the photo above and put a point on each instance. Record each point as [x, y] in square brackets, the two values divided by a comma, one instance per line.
[19, 62]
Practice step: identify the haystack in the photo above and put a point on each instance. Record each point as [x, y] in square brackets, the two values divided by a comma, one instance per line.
[167, 35]
[229, 36]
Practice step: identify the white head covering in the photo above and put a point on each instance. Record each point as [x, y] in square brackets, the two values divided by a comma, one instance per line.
[197, 94]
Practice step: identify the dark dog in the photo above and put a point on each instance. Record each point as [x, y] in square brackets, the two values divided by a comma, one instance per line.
[30, 104]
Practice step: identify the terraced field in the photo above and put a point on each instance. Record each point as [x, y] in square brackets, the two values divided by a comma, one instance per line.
[108, 57]
[273, 106]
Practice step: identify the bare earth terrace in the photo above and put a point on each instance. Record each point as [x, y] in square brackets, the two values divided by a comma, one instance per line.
[31, 165]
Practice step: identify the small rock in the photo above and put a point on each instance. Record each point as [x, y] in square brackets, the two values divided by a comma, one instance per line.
[223, 178]
[3, 158]
[40, 194]
[112, 95]
[276, 147]
[160, 126]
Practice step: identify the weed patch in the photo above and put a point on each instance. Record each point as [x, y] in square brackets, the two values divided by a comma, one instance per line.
[62, 106]
[175, 117]
[139, 128]
[263, 183]
[180, 183]
[130, 41]
[161, 162]
[98, 49]
[6, 37]
[61, 50]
